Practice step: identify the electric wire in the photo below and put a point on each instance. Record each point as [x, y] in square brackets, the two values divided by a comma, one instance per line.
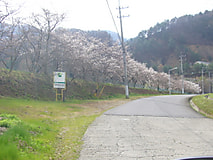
[113, 21]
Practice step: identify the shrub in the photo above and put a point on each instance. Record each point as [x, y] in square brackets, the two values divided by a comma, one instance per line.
[8, 120]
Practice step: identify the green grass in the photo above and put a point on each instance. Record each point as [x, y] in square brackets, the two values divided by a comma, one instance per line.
[204, 103]
[211, 95]
[48, 130]
[8, 152]
[15, 139]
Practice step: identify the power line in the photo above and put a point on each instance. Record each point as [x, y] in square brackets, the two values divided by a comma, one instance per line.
[113, 21]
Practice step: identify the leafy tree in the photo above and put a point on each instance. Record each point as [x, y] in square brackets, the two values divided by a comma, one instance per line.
[166, 68]
[210, 67]
[197, 68]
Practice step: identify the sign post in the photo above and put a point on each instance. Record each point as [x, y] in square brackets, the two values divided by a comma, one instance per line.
[59, 83]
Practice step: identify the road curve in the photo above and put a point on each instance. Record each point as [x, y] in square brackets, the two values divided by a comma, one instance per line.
[155, 128]
[159, 106]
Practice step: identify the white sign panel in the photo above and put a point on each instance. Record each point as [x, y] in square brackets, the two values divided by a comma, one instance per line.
[59, 80]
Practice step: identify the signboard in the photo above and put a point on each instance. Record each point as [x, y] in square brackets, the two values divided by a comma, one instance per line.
[59, 80]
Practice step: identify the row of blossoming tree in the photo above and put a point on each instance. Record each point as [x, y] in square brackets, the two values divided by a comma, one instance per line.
[38, 45]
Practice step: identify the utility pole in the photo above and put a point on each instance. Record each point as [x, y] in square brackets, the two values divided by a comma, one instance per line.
[124, 54]
[182, 76]
[202, 82]
[170, 78]
[210, 86]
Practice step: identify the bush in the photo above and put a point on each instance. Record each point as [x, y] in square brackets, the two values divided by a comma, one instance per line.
[8, 120]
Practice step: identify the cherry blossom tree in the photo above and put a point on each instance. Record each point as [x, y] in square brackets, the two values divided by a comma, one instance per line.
[47, 48]
[94, 60]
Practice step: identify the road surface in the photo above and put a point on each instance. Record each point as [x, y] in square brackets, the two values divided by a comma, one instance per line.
[155, 128]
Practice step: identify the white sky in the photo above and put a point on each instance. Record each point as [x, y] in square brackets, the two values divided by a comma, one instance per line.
[95, 15]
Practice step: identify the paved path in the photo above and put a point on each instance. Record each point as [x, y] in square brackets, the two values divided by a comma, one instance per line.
[156, 128]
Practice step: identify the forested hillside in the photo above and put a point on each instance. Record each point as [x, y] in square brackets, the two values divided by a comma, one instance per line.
[162, 45]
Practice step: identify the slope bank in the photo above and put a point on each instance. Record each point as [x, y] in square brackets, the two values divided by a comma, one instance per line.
[37, 86]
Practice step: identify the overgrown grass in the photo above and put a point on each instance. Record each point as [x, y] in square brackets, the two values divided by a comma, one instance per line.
[204, 103]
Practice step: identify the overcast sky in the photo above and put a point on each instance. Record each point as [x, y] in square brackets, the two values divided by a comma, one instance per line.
[95, 15]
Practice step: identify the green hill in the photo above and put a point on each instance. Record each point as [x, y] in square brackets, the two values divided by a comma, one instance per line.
[163, 44]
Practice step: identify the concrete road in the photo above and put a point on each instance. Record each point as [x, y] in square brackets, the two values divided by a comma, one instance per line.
[155, 128]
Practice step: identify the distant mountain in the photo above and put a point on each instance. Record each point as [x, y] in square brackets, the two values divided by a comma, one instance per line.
[104, 36]
[107, 35]
[114, 35]
[162, 44]
[101, 34]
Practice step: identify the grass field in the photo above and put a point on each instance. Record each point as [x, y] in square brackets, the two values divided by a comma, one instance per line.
[47, 130]
[43, 129]
[50, 130]
[204, 103]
